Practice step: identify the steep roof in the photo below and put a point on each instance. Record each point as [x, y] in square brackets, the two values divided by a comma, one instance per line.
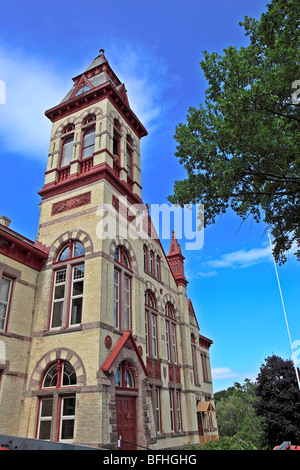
[97, 82]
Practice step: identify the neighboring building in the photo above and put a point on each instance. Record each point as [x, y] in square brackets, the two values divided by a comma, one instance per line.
[97, 335]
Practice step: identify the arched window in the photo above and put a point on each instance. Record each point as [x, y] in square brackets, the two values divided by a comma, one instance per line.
[67, 145]
[151, 324]
[67, 297]
[88, 139]
[125, 375]
[122, 289]
[170, 323]
[56, 414]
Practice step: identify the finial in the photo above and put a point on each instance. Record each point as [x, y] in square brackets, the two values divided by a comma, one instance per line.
[101, 51]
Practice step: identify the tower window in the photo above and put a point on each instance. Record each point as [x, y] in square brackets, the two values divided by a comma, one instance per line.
[67, 151]
[88, 144]
[129, 156]
[116, 140]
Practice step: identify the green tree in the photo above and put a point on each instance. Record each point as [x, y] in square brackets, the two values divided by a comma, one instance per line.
[279, 401]
[241, 150]
[236, 414]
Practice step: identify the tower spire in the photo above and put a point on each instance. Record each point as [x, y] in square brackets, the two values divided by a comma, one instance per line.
[176, 261]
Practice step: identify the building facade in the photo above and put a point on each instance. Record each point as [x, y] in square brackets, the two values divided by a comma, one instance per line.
[100, 345]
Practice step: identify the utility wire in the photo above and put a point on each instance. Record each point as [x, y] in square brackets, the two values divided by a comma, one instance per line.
[285, 316]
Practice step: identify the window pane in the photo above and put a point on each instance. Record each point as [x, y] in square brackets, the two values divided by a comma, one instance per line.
[45, 429]
[67, 152]
[79, 249]
[4, 289]
[88, 144]
[57, 314]
[67, 430]
[76, 311]
[2, 315]
[64, 254]
[69, 406]
[50, 379]
[46, 407]
[78, 272]
[78, 288]
[60, 276]
[69, 375]
[59, 292]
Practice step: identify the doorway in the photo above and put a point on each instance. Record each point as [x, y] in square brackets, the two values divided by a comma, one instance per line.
[126, 422]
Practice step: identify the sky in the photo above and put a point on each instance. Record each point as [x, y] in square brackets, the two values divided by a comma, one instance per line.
[155, 49]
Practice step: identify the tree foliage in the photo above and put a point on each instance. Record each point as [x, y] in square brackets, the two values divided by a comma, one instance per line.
[236, 414]
[279, 401]
[241, 150]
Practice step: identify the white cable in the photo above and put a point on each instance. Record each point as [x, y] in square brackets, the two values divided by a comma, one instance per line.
[285, 316]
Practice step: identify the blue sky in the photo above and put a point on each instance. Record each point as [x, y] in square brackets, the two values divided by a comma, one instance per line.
[155, 49]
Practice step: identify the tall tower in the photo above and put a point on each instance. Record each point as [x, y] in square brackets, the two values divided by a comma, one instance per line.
[114, 342]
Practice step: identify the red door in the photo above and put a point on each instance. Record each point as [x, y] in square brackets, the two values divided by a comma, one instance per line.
[126, 422]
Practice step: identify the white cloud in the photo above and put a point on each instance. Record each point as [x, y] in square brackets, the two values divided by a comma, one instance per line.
[33, 85]
[221, 373]
[207, 274]
[241, 258]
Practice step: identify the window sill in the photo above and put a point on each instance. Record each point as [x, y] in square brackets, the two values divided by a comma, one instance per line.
[58, 331]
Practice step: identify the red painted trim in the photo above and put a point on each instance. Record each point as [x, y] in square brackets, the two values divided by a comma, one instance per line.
[121, 343]
[107, 90]
[98, 172]
[21, 249]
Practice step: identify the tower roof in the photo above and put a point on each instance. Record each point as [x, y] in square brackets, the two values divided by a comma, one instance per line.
[174, 249]
[97, 82]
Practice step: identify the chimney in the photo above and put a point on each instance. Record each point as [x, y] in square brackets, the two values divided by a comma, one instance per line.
[5, 221]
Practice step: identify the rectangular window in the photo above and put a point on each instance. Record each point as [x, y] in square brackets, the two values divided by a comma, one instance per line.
[157, 409]
[67, 418]
[116, 298]
[167, 341]
[153, 336]
[128, 160]
[146, 332]
[88, 145]
[45, 419]
[173, 343]
[77, 295]
[195, 368]
[5, 293]
[204, 367]
[58, 298]
[178, 410]
[67, 152]
[127, 319]
[171, 395]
